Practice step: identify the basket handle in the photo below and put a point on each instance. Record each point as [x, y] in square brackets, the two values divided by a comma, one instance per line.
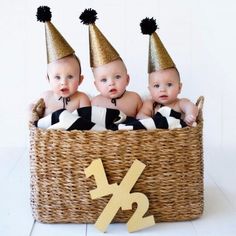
[38, 110]
[200, 102]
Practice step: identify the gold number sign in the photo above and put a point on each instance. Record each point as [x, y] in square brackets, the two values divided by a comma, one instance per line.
[121, 196]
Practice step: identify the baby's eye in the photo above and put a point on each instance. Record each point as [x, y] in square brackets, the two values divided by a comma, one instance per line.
[70, 77]
[156, 86]
[104, 80]
[57, 77]
[117, 76]
[169, 84]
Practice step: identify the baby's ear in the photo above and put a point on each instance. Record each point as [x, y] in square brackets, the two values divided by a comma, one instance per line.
[180, 87]
[128, 79]
[81, 78]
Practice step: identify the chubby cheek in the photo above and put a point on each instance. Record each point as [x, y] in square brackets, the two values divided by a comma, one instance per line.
[176, 92]
[101, 87]
[153, 92]
[124, 85]
[76, 85]
[104, 90]
[54, 86]
[56, 90]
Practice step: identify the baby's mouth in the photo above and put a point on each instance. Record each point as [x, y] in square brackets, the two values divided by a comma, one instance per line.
[164, 96]
[112, 90]
[64, 90]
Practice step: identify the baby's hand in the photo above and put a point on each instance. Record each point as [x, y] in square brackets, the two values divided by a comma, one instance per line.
[190, 119]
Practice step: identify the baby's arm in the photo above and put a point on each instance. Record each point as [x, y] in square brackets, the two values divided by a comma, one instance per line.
[31, 116]
[190, 110]
[146, 110]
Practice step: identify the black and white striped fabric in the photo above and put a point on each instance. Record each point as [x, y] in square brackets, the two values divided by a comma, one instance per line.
[86, 118]
[99, 119]
[165, 118]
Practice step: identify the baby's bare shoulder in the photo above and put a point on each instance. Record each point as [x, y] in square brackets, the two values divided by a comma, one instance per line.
[132, 93]
[184, 102]
[83, 99]
[148, 101]
[82, 95]
[97, 98]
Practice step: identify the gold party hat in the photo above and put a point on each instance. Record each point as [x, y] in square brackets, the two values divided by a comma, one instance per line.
[101, 51]
[57, 47]
[158, 57]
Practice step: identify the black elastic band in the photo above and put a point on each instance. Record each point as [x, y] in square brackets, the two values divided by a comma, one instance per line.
[113, 100]
[155, 104]
[65, 101]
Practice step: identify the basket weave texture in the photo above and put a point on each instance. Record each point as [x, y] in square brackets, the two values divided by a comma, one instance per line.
[172, 179]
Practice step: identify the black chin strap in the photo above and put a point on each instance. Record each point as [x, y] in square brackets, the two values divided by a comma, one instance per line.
[113, 100]
[65, 101]
[155, 104]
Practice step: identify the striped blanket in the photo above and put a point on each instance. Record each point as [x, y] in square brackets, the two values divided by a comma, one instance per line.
[99, 119]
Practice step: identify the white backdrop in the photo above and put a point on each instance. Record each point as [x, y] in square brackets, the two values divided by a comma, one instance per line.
[200, 36]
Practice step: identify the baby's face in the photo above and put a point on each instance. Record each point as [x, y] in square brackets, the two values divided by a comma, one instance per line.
[64, 76]
[111, 79]
[164, 85]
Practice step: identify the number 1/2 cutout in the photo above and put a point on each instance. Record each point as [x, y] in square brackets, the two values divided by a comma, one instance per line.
[121, 196]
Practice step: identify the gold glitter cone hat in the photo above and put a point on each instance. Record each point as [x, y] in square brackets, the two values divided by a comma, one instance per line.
[57, 47]
[101, 51]
[158, 57]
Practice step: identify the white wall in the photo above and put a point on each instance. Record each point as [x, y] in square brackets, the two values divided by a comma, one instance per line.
[200, 35]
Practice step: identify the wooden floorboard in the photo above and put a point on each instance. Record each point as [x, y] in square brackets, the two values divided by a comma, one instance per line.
[15, 212]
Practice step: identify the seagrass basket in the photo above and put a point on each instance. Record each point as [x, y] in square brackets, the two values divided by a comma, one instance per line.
[172, 179]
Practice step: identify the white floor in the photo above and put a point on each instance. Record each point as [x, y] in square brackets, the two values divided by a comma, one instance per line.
[219, 216]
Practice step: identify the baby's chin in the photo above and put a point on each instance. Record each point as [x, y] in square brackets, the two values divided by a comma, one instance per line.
[165, 102]
[66, 94]
[115, 95]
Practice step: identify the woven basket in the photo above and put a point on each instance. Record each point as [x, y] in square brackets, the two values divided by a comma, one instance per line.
[172, 179]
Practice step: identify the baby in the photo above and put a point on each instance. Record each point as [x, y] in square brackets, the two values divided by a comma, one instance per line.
[164, 80]
[164, 87]
[109, 70]
[63, 71]
[111, 81]
[64, 78]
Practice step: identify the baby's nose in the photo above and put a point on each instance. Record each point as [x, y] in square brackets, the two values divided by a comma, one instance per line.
[63, 81]
[111, 82]
[162, 88]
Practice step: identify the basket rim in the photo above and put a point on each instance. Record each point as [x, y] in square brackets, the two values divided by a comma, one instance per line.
[199, 104]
